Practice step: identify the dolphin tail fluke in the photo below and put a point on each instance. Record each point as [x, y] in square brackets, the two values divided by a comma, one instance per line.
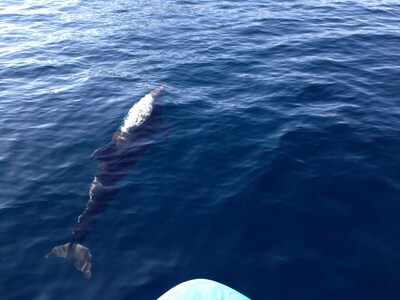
[76, 252]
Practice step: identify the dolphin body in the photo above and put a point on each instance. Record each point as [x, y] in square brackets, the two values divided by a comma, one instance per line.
[116, 158]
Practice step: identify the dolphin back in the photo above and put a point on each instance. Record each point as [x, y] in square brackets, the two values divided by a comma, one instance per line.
[105, 151]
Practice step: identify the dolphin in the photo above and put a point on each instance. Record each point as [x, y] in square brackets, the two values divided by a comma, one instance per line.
[116, 158]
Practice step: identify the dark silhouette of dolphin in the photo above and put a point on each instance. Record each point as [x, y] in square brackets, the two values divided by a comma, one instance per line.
[116, 158]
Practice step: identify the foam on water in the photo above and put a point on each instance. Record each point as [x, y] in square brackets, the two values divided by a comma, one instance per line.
[139, 113]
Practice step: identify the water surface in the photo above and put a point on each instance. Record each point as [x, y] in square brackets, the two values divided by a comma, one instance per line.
[279, 175]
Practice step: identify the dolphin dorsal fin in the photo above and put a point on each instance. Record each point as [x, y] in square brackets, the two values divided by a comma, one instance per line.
[104, 151]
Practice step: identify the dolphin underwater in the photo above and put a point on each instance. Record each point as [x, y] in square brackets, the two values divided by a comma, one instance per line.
[116, 158]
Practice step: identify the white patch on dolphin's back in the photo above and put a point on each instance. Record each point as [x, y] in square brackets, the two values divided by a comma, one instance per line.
[139, 113]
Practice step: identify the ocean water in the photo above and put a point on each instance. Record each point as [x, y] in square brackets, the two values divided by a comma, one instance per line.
[279, 174]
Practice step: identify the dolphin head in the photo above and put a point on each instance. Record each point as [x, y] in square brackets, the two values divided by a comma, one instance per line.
[157, 92]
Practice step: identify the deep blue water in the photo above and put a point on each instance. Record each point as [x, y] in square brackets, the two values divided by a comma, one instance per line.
[280, 172]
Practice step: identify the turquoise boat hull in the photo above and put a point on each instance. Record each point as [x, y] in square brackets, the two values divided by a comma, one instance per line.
[202, 289]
